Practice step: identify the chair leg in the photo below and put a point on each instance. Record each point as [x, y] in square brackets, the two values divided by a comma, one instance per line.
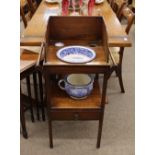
[23, 125]
[41, 95]
[119, 71]
[50, 133]
[36, 94]
[22, 118]
[30, 96]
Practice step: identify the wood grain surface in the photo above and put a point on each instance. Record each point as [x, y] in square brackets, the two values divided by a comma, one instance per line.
[35, 31]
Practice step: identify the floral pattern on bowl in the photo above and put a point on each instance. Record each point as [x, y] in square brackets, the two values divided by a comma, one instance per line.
[78, 91]
[76, 54]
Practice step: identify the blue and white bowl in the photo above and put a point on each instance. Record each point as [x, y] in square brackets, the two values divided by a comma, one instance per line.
[76, 54]
[77, 86]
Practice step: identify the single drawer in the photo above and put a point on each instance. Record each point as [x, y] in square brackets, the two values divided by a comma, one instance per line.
[58, 115]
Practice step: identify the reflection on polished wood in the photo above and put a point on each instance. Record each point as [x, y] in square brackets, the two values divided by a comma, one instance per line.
[28, 55]
[34, 33]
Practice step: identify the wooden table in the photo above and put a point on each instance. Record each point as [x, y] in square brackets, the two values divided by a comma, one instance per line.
[35, 31]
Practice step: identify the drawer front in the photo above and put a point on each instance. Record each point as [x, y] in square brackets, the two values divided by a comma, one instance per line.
[75, 115]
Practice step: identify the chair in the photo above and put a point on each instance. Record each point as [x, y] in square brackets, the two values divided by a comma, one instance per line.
[25, 15]
[27, 9]
[28, 61]
[117, 53]
[25, 12]
[25, 71]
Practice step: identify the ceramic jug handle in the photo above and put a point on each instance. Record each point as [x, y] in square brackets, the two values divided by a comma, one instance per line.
[59, 84]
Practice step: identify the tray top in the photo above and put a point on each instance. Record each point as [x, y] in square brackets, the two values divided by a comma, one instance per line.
[53, 60]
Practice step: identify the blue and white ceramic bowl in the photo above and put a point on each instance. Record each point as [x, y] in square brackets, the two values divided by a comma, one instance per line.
[77, 86]
[76, 54]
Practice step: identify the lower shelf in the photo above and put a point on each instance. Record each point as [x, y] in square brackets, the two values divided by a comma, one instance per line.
[61, 100]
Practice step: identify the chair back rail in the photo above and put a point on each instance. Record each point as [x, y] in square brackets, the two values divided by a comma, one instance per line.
[127, 13]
